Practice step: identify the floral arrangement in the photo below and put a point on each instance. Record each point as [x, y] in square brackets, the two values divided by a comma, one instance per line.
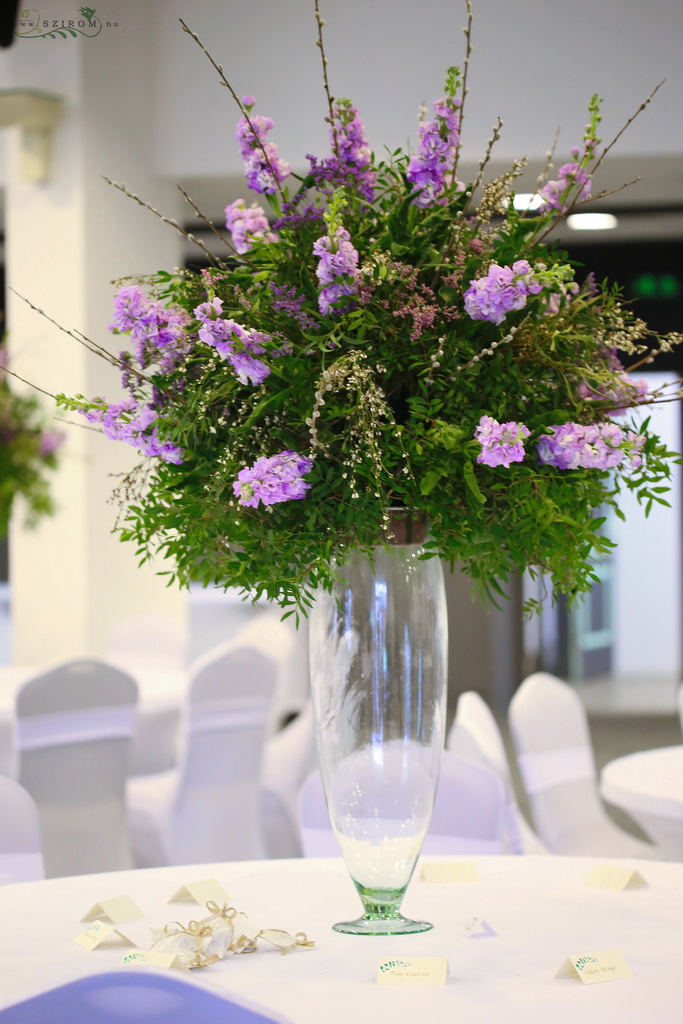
[385, 337]
[27, 449]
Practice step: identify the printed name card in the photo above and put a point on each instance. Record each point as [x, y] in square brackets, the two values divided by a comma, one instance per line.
[117, 910]
[100, 933]
[476, 928]
[591, 968]
[412, 970]
[450, 871]
[607, 876]
[150, 958]
[201, 892]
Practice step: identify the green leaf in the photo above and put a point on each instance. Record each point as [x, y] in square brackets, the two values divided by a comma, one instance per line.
[429, 481]
[471, 481]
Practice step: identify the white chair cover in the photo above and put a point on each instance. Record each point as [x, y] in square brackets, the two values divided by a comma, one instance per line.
[145, 996]
[550, 732]
[21, 859]
[468, 815]
[289, 758]
[288, 645]
[74, 723]
[475, 734]
[680, 705]
[208, 808]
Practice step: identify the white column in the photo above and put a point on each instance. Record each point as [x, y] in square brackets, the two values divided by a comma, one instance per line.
[72, 580]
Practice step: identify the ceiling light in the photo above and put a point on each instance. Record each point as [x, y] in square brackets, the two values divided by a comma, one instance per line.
[527, 201]
[591, 221]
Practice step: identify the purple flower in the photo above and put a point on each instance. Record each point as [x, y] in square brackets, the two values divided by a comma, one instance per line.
[502, 290]
[596, 446]
[247, 224]
[238, 345]
[272, 480]
[337, 270]
[136, 425]
[288, 302]
[351, 162]
[50, 441]
[262, 165]
[436, 152]
[157, 331]
[501, 443]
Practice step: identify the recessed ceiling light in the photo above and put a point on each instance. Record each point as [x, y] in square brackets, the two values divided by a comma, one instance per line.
[591, 221]
[527, 201]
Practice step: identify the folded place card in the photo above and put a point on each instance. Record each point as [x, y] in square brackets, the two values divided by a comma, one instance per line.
[607, 965]
[412, 970]
[607, 876]
[100, 933]
[450, 871]
[117, 910]
[202, 891]
[476, 928]
[150, 958]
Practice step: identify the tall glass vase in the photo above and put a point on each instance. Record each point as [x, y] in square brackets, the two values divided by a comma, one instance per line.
[378, 645]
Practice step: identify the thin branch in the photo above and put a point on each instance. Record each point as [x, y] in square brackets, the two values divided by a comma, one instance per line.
[209, 223]
[549, 157]
[607, 192]
[6, 369]
[330, 98]
[238, 101]
[465, 68]
[168, 220]
[484, 162]
[630, 121]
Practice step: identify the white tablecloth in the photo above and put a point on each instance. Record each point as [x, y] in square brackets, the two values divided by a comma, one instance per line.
[649, 786]
[539, 907]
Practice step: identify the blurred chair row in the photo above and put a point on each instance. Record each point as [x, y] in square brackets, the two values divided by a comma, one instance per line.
[236, 795]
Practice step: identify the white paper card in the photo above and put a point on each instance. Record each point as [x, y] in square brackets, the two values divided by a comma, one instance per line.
[100, 933]
[412, 970]
[476, 928]
[591, 968]
[201, 892]
[450, 871]
[118, 910]
[607, 876]
[150, 958]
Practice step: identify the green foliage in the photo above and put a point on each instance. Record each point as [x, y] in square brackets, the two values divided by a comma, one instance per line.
[27, 450]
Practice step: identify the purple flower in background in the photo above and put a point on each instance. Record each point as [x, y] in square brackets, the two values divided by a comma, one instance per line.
[237, 344]
[502, 290]
[50, 442]
[262, 165]
[501, 443]
[247, 224]
[273, 479]
[337, 270]
[436, 152]
[623, 392]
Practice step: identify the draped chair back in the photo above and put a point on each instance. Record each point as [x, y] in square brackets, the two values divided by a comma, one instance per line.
[21, 858]
[74, 725]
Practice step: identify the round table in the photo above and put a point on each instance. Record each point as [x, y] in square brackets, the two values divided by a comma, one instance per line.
[539, 907]
[648, 785]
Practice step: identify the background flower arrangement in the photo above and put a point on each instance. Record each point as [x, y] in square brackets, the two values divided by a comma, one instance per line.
[391, 337]
[27, 451]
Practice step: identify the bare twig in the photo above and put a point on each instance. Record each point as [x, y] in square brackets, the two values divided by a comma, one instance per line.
[6, 369]
[465, 68]
[238, 101]
[549, 157]
[209, 223]
[330, 98]
[630, 121]
[484, 162]
[168, 220]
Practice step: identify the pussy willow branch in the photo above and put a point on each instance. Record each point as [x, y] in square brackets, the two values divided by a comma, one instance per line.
[465, 68]
[210, 224]
[237, 100]
[630, 121]
[549, 157]
[89, 344]
[168, 220]
[330, 98]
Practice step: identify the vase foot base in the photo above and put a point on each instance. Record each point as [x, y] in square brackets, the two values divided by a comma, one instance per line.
[374, 925]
